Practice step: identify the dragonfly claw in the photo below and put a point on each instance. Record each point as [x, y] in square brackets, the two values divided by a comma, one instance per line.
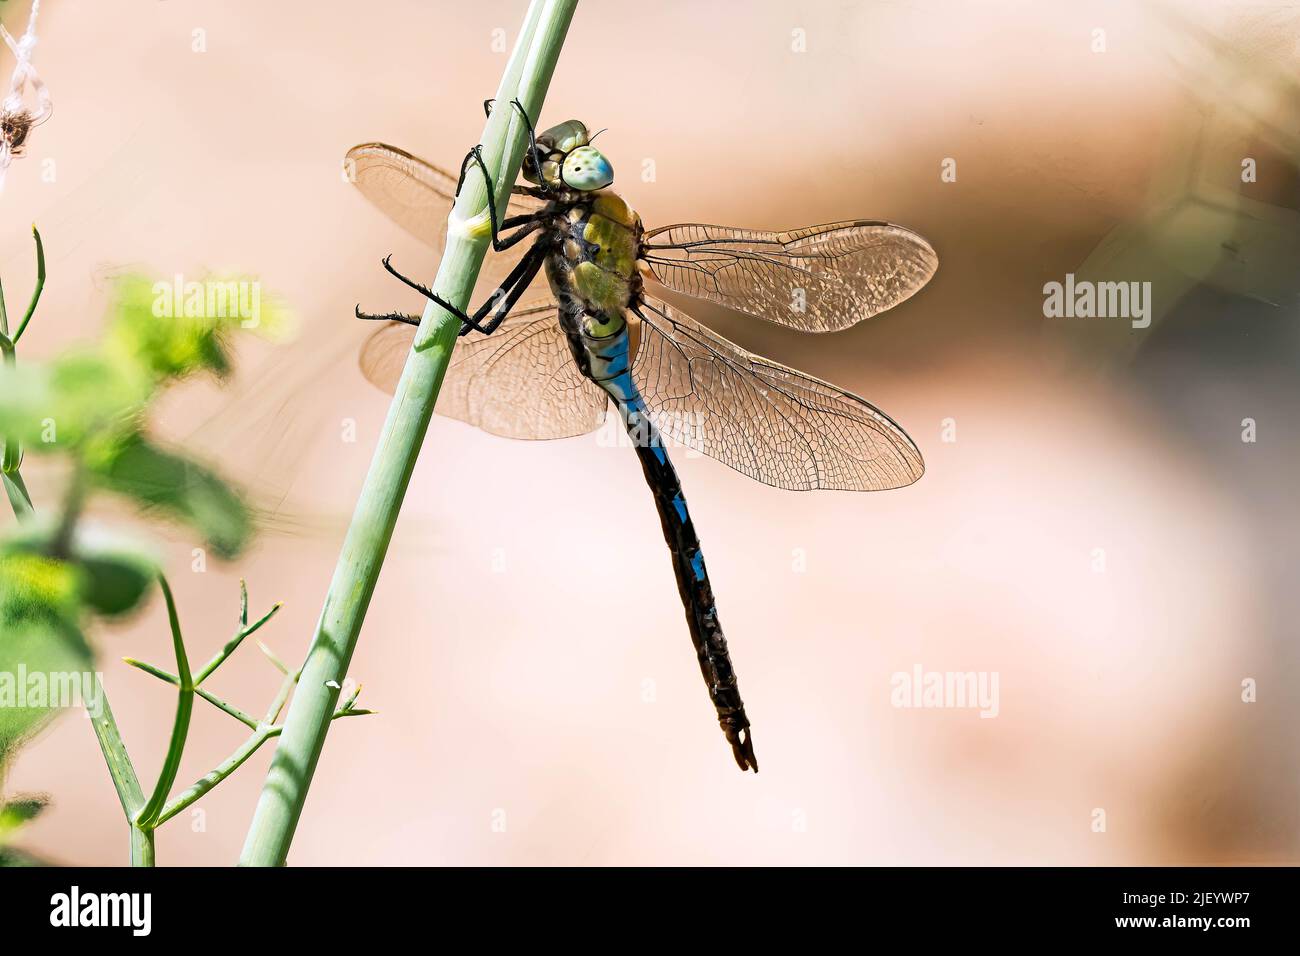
[742, 747]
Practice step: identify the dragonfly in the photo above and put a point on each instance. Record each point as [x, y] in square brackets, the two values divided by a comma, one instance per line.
[594, 338]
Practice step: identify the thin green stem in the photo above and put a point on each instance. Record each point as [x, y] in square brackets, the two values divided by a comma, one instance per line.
[122, 772]
[13, 452]
[280, 665]
[230, 709]
[217, 774]
[281, 696]
[12, 457]
[120, 768]
[148, 817]
[142, 847]
[527, 76]
[36, 293]
[233, 763]
[244, 631]
[212, 699]
[74, 499]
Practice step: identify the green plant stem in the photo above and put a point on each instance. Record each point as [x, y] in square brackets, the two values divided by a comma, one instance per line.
[212, 699]
[122, 772]
[120, 768]
[233, 763]
[244, 631]
[148, 816]
[74, 500]
[19, 498]
[36, 293]
[270, 655]
[281, 697]
[142, 846]
[219, 773]
[527, 76]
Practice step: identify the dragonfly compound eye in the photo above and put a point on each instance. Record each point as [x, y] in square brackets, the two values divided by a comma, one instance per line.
[586, 168]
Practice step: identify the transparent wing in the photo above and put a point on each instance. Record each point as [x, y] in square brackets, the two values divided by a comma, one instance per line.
[769, 422]
[519, 382]
[418, 196]
[819, 279]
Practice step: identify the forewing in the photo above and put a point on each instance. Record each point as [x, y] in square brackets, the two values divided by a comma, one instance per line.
[772, 423]
[819, 279]
[418, 196]
[519, 382]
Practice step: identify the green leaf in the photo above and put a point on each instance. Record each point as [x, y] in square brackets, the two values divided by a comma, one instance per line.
[44, 659]
[113, 572]
[56, 406]
[116, 583]
[152, 330]
[18, 858]
[178, 487]
[42, 668]
[35, 588]
[173, 328]
[18, 812]
[116, 574]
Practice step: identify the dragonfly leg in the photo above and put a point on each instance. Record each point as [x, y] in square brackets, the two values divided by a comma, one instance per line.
[532, 132]
[466, 319]
[502, 300]
[522, 277]
[500, 245]
[533, 149]
[533, 191]
[524, 226]
[464, 168]
[406, 317]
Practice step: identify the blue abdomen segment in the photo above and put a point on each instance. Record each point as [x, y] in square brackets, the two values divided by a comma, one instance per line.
[610, 368]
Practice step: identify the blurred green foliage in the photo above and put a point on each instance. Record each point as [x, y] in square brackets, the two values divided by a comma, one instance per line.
[14, 815]
[90, 406]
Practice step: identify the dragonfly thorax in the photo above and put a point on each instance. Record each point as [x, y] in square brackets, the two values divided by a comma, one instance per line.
[596, 242]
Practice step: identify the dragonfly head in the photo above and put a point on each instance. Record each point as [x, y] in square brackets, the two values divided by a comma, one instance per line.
[569, 161]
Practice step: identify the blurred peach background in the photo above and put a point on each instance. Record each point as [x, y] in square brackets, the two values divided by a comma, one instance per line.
[503, 694]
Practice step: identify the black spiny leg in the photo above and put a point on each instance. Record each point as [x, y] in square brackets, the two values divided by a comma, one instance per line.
[522, 275]
[476, 154]
[533, 149]
[509, 292]
[407, 317]
[524, 226]
[504, 298]
[464, 167]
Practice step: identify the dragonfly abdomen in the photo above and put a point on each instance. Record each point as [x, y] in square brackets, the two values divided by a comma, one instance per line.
[608, 364]
[692, 584]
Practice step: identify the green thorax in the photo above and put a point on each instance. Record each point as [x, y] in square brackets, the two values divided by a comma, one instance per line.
[601, 239]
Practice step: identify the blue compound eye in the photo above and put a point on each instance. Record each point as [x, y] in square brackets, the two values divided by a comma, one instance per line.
[586, 168]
